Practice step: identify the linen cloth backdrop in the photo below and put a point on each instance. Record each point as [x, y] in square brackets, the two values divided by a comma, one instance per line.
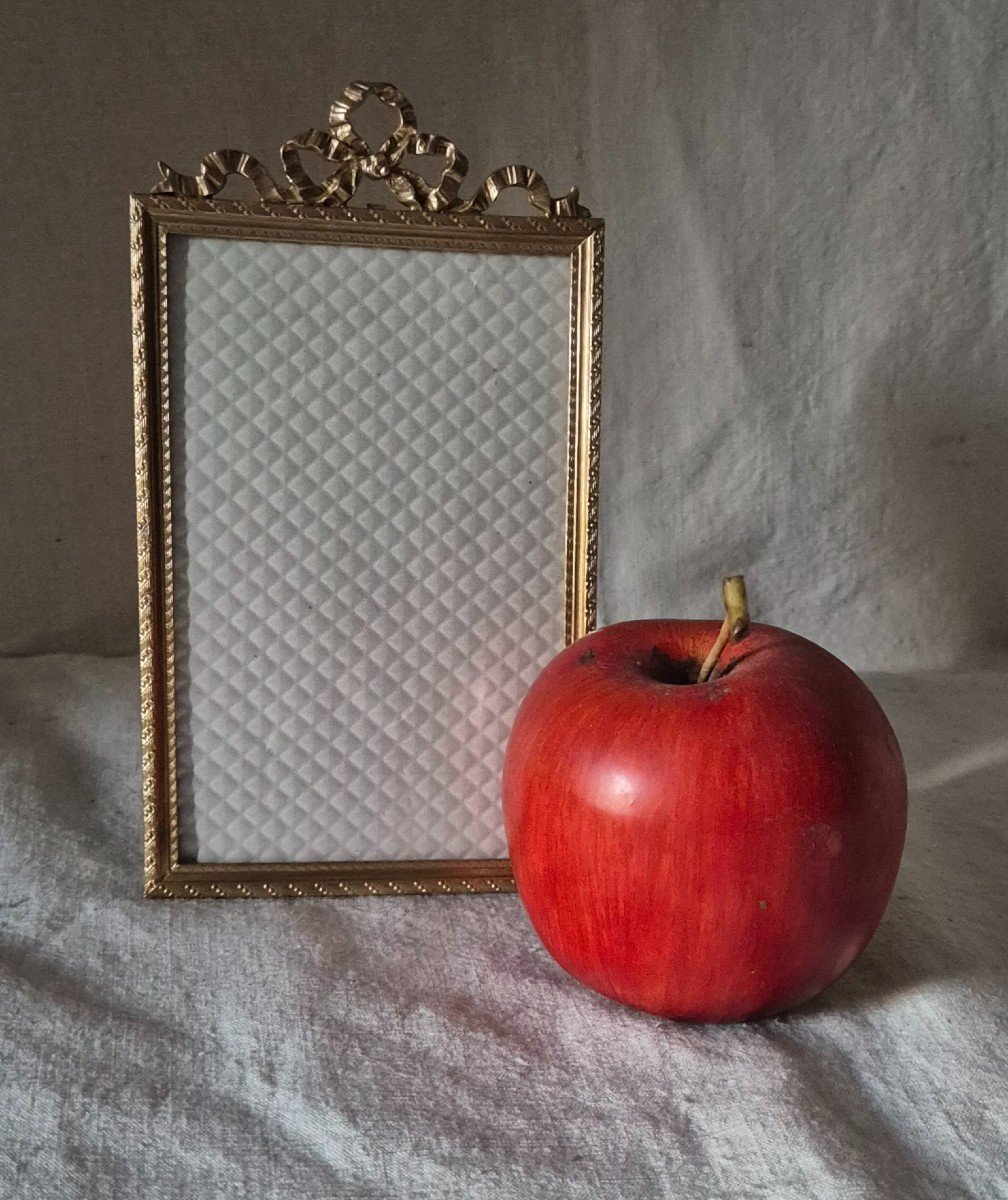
[806, 281]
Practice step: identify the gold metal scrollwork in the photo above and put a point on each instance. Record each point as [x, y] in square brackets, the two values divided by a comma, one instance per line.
[354, 159]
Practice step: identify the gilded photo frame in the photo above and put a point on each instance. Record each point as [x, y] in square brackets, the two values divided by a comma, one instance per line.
[185, 238]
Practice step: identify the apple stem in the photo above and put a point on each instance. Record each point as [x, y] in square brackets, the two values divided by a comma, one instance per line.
[735, 625]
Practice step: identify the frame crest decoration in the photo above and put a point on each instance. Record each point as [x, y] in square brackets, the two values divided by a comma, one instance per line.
[355, 160]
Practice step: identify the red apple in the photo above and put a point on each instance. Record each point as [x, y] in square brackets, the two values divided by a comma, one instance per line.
[707, 851]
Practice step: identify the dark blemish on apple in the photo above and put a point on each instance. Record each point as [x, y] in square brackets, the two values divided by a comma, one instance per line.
[589, 656]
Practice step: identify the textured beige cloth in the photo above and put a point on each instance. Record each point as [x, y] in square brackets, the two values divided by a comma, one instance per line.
[415, 1048]
[806, 280]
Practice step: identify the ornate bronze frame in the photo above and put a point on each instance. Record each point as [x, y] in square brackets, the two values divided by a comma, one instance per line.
[432, 218]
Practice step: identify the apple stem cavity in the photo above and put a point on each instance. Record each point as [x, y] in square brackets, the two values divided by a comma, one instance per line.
[735, 625]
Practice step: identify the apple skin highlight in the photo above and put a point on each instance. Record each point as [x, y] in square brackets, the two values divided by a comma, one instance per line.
[713, 851]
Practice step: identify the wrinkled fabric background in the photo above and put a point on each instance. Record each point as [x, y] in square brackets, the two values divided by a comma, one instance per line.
[806, 281]
[431, 1048]
[805, 375]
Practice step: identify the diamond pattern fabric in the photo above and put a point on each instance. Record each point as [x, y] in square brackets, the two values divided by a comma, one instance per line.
[368, 471]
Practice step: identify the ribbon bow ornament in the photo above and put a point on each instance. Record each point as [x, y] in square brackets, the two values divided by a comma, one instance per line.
[354, 159]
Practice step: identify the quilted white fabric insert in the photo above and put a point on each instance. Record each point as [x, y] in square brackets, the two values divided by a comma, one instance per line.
[368, 466]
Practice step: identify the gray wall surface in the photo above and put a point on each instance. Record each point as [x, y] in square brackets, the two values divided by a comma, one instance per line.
[806, 281]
